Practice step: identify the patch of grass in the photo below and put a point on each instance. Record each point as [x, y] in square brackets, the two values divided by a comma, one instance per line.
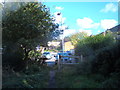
[26, 79]
[68, 78]
[83, 81]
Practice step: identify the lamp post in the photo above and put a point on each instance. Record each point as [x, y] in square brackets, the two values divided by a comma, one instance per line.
[62, 34]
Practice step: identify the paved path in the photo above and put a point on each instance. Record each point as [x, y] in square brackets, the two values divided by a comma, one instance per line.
[52, 83]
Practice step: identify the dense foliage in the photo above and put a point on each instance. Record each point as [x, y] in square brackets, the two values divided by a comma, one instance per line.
[100, 67]
[75, 38]
[107, 60]
[102, 57]
[23, 29]
[35, 77]
[91, 44]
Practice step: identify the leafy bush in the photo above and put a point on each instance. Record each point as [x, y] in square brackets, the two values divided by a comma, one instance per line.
[14, 59]
[89, 45]
[117, 65]
[102, 53]
[110, 83]
[85, 67]
[103, 60]
[33, 69]
[26, 79]
[107, 60]
[34, 55]
[97, 77]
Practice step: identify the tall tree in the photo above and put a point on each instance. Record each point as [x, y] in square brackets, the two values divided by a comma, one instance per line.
[26, 27]
[77, 37]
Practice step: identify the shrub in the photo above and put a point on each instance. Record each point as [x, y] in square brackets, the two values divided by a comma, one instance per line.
[34, 54]
[107, 60]
[102, 54]
[86, 66]
[32, 69]
[14, 60]
[110, 83]
[89, 45]
[117, 65]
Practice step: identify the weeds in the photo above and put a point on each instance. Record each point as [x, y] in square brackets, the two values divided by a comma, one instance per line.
[26, 79]
[69, 78]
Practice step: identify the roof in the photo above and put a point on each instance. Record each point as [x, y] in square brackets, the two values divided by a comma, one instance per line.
[115, 29]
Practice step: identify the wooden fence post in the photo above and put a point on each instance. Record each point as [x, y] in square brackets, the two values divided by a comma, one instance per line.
[81, 58]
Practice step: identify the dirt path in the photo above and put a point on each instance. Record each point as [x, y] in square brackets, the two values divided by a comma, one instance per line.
[52, 83]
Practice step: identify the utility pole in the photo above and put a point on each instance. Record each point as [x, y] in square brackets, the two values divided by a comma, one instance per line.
[62, 33]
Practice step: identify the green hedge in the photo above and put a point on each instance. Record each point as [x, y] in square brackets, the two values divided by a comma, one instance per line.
[91, 44]
[107, 60]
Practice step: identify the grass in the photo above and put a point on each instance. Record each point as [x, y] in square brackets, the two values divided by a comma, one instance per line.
[37, 79]
[68, 78]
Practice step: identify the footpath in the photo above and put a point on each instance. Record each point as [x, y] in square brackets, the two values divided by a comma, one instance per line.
[52, 83]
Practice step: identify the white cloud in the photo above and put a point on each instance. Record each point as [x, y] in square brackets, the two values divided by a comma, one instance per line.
[109, 7]
[87, 23]
[98, 31]
[108, 23]
[59, 8]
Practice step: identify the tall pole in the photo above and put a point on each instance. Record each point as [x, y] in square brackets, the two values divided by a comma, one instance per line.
[62, 38]
[63, 41]
[62, 34]
[63, 44]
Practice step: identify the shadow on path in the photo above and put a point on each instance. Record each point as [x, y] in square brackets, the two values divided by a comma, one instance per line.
[52, 83]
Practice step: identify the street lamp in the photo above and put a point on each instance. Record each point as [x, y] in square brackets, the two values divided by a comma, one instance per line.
[62, 33]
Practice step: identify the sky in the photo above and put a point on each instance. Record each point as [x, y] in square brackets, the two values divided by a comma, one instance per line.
[85, 16]
[90, 17]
